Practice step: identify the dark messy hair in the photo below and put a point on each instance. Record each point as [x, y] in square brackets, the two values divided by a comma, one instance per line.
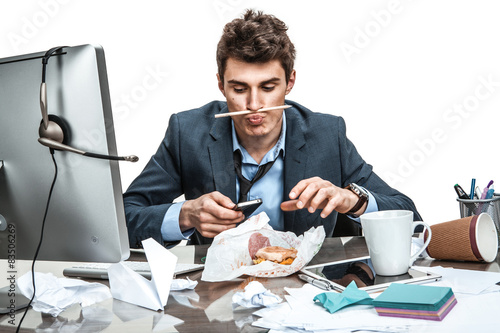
[255, 38]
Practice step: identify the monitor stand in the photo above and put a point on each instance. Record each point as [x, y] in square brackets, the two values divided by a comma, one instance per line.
[6, 297]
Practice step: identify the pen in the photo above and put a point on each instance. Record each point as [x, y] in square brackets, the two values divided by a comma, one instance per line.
[460, 192]
[486, 189]
[477, 192]
[472, 186]
[239, 113]
[484, 195]
[322, 284]
[490, 194]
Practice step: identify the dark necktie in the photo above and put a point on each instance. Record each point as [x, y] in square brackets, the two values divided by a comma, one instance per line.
[245, 184]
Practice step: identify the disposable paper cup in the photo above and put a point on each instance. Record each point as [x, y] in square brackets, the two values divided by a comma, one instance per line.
[472, 238]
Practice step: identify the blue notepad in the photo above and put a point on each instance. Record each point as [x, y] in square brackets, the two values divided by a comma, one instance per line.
[413, 296]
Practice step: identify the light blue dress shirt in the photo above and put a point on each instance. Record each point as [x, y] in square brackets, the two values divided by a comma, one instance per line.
[269, 188]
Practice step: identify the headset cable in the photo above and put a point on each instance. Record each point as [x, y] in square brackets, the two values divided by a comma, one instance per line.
[40, 241]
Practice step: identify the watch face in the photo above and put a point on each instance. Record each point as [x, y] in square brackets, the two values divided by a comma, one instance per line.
[358, 190]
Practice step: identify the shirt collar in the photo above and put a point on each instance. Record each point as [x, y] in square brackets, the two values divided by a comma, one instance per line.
[271, 155]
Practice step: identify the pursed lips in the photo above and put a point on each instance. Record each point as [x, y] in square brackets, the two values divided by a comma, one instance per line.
[255, 119]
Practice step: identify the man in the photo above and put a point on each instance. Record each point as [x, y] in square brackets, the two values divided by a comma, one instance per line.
[313, 171]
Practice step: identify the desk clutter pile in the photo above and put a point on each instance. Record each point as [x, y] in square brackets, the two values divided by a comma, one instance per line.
[398, 300]
[463, 301]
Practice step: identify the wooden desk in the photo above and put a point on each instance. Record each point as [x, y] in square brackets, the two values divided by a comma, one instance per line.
[206, 309]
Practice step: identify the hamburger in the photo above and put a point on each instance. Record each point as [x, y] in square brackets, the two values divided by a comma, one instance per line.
[275, 254]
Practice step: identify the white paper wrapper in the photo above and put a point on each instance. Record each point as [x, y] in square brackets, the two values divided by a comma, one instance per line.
[228, 257]
[255, 295]
[54, 295]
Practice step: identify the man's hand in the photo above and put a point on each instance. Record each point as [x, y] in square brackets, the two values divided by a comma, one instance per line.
[210, 214]
[316, 193]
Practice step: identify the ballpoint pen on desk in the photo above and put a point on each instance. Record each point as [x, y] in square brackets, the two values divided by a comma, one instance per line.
[322, 284]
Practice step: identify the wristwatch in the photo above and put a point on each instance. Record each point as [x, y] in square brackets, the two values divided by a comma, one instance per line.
[362, 195]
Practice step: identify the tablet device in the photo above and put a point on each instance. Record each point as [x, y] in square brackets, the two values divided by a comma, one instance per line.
[338, 275]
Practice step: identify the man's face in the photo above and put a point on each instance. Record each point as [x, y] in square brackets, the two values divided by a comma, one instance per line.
[252, 86]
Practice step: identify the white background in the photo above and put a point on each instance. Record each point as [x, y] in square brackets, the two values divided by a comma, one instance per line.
[399, 72]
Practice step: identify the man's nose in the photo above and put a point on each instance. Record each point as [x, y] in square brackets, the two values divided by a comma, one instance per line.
[254, 101]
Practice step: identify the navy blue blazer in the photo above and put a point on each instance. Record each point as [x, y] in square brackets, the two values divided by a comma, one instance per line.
[195, 158]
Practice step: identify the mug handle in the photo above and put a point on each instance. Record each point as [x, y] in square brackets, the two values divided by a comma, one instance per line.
[427, 241]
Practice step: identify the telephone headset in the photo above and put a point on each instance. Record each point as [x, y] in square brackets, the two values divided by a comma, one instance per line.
[54, 132]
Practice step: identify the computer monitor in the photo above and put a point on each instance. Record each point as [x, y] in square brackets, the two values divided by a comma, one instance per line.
[85, 219]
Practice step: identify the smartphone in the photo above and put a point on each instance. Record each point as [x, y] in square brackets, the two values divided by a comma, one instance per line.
[248, 207]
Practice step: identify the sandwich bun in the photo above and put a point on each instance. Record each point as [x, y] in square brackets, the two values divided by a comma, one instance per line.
[275, 254]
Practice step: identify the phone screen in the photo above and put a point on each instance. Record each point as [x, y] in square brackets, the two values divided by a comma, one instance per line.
[248, 207]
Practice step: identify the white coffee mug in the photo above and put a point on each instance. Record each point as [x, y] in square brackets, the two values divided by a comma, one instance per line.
[388, 236]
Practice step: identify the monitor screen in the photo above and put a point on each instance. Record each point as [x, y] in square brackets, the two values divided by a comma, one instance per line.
[85, 219]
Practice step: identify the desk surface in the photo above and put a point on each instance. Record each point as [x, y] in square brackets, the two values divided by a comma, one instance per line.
[208, 307]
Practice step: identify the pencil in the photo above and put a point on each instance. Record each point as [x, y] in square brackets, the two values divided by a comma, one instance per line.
[240, 113]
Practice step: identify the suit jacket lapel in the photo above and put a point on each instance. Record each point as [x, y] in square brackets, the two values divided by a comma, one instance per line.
[221, 157]
[295, 161]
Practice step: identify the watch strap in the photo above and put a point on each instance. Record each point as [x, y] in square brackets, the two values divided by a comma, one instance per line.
[361, 201]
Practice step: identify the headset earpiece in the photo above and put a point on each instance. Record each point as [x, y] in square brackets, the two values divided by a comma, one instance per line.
[53, 131]
[56, 130]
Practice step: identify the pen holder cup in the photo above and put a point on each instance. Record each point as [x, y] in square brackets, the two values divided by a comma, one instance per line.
[491, 207]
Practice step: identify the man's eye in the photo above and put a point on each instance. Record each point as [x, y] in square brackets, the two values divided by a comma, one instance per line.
[239, 90]
[268, 88]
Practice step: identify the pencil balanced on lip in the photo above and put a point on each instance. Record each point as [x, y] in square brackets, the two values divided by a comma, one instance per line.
[240, 113]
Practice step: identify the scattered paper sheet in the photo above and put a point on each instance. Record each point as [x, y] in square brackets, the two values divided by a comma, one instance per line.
[254, 296]
[183, 284]
[128, 286]
[464, 281]
[472, 313]
[54, 295]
